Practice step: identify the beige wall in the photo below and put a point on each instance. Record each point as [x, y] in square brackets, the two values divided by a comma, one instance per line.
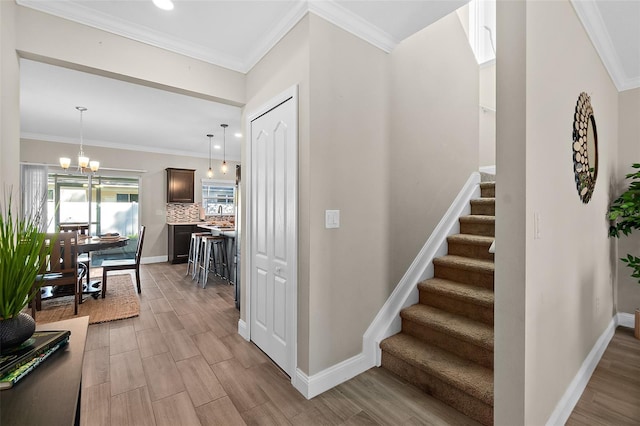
[9, 100]
[341, 162]
[628, 295]
[487, 119]
[433, 145]
[51, 39]
[285, 65]
[153, 190]
[569, 296]
[568, 283]
[509, 288]
[348, 169]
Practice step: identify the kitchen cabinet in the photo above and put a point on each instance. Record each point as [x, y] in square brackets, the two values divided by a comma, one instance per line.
[179, 239]
[180, 185]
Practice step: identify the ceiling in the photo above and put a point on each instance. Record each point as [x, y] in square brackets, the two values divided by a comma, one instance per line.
[235, 34]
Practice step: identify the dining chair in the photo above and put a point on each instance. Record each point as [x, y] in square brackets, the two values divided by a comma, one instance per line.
[123, 264]
[82, 229]
[61, 268]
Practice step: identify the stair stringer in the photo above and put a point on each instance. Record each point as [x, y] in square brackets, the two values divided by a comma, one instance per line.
[388, 321]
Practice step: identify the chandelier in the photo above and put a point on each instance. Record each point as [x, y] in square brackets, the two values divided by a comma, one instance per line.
[83, 161]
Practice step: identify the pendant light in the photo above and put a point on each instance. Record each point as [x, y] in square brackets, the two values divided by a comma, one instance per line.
[210, 171]
[84, 164]
[224, 149]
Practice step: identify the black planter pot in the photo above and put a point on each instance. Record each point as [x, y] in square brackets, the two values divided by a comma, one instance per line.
[16, 330]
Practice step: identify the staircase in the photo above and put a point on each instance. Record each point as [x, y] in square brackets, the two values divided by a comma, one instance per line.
[446, 343]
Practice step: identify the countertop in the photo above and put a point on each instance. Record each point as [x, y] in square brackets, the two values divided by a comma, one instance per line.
[215, 230]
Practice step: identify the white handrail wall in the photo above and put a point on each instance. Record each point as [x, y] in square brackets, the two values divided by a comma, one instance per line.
[388, 322]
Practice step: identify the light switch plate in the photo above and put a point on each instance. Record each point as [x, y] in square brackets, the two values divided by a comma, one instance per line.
[331, 219]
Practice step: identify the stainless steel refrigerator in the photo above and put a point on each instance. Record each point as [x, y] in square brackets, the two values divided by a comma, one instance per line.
[236, 255]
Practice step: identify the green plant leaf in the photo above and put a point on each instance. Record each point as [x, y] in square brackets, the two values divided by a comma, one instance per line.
[22, 256]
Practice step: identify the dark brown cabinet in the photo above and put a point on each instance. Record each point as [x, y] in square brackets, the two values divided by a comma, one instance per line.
[179, 239]
[180, 185]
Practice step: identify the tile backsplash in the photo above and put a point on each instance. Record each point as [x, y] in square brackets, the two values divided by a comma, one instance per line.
[185, 213]
[180, 212]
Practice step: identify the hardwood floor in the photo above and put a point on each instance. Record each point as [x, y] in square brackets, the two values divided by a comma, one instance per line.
[612, 396]
[181, 362]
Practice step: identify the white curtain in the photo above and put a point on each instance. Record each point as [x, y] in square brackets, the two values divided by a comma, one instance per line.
[33, 189]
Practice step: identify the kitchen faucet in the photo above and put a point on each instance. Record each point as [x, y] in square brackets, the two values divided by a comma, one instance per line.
[220, 209]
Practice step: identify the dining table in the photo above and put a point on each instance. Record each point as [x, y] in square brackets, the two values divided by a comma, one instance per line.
[97, 243]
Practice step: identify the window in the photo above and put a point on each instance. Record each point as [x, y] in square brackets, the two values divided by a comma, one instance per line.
[108, 203]
[218, 198]
[482, 29]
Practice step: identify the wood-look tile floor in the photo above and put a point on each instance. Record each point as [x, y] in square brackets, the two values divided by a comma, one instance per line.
[612, 396]
[182, 362]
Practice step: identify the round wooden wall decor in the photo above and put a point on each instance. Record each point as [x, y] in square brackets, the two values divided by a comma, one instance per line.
[585, 148]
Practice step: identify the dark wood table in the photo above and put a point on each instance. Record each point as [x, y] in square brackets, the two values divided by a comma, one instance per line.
[50, 394]
[86, 245]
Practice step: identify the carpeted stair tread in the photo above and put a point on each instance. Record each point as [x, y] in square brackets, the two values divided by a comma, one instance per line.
[465, 375]
[478, 218]
[479, 240]
[488, 189]
[455, 290]
[454, 325]
[484, 200]
[466, 263]
[470, 245]
[483, 206]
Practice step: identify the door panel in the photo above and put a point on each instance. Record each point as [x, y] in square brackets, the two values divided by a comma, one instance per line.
[261, 299]
[273, 195]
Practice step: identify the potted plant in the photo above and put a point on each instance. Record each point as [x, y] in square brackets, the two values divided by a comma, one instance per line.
[625, 216]
[21, 259]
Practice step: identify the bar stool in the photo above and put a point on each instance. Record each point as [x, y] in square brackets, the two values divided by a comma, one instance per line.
[209, 245]
[230, 246]
[194, 251]
[221, 263]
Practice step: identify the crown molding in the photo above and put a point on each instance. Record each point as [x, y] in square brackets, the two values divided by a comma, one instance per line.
[354, 24]
[102, 21]
[589, 15]
[328, 9]
[120, 146]
[274, 36]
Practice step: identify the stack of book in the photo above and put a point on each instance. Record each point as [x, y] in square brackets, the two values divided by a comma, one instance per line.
[16, 363]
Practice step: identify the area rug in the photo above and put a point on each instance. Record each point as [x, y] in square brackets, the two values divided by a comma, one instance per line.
[121, 302]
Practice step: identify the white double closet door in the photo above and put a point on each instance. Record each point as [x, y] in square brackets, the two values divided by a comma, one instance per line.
[273, 232]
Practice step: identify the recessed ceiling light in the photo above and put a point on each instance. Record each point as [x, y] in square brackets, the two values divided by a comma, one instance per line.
[164, 4]
[217, 147]
[238, 135]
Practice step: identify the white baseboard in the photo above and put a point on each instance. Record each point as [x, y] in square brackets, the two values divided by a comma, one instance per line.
[626, 320]
[387, 321]
[572, 395]
[330, 377]
[154, 259]
[242, 329]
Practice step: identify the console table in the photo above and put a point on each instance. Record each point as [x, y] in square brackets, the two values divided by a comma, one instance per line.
[50, 394]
